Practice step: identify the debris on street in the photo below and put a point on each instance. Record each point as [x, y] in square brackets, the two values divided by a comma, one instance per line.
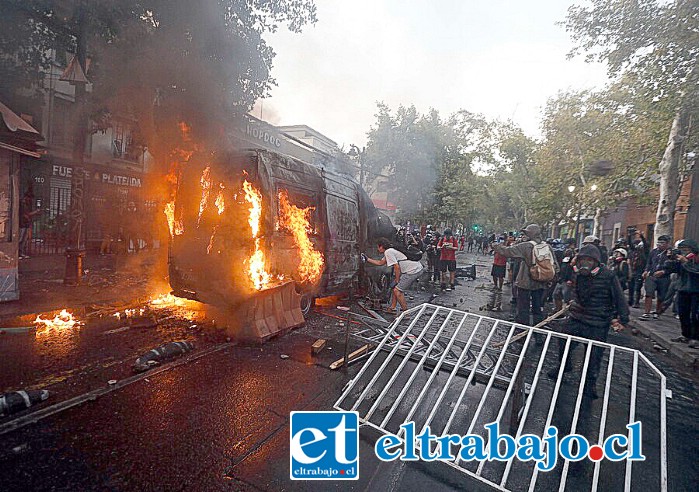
[363, 350]
[160, 354]
[317, 346]
[17, 401]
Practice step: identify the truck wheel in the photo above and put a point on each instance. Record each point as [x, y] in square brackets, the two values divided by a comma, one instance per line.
[307, 303]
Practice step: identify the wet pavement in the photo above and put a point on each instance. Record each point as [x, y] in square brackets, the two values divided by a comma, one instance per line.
[221, 421]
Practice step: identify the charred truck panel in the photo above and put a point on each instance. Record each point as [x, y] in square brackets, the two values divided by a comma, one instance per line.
[313, 223]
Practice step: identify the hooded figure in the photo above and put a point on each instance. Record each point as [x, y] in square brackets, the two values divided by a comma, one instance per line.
[598, 303]
[529, 292]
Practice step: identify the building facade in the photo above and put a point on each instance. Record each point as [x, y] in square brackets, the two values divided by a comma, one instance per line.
[18, 149]
[115, 173]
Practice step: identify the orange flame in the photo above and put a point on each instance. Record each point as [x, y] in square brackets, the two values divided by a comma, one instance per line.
[129, 313]
[205, 191]
[211, 241]
[256, 264]
[220, 201]
[175, 225]
[297, 221]
[61, 322]
[167, 299]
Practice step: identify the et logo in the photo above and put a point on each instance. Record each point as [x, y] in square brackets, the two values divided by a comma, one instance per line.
[324, 446]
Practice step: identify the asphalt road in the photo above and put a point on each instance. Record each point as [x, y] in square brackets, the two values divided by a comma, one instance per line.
[222, 422]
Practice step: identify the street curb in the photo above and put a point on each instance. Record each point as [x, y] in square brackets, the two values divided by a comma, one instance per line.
[675, 349]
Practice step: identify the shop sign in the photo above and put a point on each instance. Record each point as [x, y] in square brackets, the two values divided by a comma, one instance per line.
[263, 135]
[112, 179]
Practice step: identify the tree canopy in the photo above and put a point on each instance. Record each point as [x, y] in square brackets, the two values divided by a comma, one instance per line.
[158, 59]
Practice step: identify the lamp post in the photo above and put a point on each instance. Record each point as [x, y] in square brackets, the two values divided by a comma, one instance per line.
[75, 250]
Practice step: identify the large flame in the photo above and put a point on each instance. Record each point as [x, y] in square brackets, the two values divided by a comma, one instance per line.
[61, 322]
[205, 191]
[175, 225]
[256, 264]
[297, 221]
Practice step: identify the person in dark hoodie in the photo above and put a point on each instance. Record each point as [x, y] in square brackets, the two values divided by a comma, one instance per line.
[598, 303]
[530, 293]
[686, 265]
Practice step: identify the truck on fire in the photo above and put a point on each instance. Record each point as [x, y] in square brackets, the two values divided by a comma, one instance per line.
[242, 222]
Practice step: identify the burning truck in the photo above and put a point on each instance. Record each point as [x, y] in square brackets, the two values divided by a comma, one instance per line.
[254, 229]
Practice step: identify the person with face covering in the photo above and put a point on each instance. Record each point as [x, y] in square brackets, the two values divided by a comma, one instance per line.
[598, 304]
[656, 278]
[530, 293]
[686, 265]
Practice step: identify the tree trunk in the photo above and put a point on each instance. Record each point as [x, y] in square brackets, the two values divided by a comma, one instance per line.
[669, 169]
[597, 224]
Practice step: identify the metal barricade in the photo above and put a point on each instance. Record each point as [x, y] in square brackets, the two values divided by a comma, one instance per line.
[455, 372]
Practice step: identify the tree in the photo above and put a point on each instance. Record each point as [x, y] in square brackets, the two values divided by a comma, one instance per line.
[405, 148]
[655, 45]
[161, 60]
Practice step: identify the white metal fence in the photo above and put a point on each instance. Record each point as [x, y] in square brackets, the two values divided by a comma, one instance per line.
[455, 372]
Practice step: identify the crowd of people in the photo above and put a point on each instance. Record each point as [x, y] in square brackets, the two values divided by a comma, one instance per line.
[598, 287]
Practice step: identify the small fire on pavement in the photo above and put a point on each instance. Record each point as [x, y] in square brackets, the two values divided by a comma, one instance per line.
[61, 322]
[129, 313]
[167, 300]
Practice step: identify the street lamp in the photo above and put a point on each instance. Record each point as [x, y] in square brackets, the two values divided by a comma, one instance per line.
[571, 188]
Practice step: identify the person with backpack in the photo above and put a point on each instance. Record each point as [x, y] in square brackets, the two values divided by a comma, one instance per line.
[538, 268]
[447, 259]
[405, 272]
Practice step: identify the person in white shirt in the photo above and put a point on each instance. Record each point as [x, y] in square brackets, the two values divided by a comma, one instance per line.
[405, 272]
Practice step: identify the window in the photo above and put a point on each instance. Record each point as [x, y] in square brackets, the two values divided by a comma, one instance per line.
[617, 232]
[122, 145]
[302, 200]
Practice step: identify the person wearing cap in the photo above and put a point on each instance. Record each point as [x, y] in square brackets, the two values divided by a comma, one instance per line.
[530, 293]
[598, 303]
[594, 240]
[656, 278]
[686, 265]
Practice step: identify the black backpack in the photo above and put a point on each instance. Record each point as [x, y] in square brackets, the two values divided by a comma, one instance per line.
[410, 252]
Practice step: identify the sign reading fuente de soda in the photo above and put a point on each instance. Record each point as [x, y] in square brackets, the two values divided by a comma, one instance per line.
[107, 178]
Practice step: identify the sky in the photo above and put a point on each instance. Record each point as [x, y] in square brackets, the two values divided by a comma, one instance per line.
[501, 58]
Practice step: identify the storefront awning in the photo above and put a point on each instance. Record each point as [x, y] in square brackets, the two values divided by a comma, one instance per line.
[16, 135]
[14, 123]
